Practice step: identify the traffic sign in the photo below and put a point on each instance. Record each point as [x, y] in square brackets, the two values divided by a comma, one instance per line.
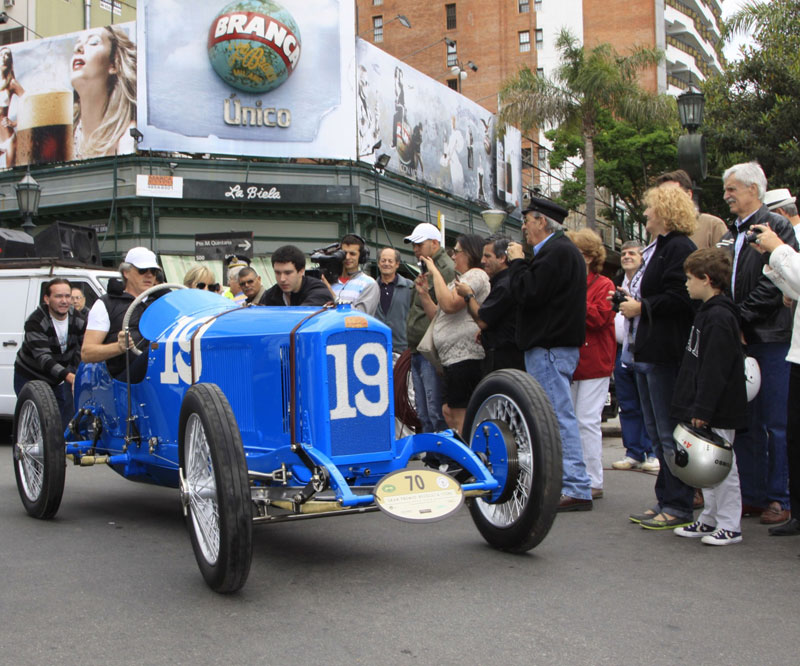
[220, 245]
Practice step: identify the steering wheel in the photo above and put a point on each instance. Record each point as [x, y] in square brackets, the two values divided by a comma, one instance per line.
[127, 318]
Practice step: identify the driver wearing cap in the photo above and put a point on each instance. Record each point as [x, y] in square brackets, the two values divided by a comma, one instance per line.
[104, 339]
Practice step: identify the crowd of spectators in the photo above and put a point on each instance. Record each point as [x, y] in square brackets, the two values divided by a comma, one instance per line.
[555, 315]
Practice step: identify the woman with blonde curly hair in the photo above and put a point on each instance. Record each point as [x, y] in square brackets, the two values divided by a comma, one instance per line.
[666, 315]
[103, 74]
[593, 374]
[200, 277]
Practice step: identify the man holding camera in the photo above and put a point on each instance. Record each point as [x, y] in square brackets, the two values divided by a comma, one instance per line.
[354, 286]
[293, 286]
[766, 331]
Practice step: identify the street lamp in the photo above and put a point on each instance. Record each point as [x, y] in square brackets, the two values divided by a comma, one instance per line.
[400, 18]
[493, 218]
[691, 104]
[460, 71]
[692, 146]
[28, 194]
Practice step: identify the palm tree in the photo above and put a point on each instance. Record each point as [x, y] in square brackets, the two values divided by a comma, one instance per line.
[586, 82]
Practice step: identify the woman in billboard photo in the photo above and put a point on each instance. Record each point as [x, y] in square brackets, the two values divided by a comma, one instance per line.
[9, 86]
[103, 74]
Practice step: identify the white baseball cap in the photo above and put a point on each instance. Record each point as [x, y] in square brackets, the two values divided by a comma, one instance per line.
[141, 257]
[778, 198]
[422, 232]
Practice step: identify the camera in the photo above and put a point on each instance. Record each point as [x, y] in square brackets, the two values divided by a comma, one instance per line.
[423, 267]
[617, 298]
[752, 235]
[330, 260]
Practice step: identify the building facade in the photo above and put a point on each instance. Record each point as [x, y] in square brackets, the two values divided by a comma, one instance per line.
[29, 19]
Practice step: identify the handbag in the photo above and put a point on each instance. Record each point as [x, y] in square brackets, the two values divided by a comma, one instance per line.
[428, 349]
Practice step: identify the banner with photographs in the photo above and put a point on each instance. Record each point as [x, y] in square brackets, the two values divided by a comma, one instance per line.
[250, 77]
[70, 97]
[433, 134]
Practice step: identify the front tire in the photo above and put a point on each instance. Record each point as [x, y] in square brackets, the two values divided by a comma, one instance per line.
[523, 519]
[215, 488]
[39, 457]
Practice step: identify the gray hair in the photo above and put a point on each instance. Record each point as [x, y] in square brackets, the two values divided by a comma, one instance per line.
[397, 257]
[790, 209]
[233, 273]
[551, 226]
[748, 173]
[499, 243]
[627, 245]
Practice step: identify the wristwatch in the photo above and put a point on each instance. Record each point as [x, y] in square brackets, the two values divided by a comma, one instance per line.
[468, 297]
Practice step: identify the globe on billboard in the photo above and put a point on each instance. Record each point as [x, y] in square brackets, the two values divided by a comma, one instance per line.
[254, 45]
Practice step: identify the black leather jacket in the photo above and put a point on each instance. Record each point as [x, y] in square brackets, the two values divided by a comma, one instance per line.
[763, 317]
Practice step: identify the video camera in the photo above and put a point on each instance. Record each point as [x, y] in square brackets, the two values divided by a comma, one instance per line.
[330, 260]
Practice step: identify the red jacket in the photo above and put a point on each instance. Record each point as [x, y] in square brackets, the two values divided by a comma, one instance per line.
[600, 348]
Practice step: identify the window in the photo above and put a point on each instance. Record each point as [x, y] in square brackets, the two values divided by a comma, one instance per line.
[453, 83]
[377, 2]
[377, 28]
[539, 38]
[12, 36]
[537, 5]
[525, 41]
[542, 155]
[527, 157]
[450, 12]
[452, 54]
[524, 6]
[540, 71]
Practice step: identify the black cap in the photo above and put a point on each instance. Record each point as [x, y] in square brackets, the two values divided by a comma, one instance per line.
[546, 207]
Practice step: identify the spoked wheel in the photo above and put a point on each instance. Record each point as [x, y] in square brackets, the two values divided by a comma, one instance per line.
[39, 456]
[524, 511]
[214, 488]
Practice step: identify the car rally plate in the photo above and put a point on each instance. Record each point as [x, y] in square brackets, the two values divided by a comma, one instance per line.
[418, 495]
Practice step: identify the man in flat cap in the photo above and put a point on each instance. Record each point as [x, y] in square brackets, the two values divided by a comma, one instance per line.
[427, 241]
[783, 203]
[550, 292]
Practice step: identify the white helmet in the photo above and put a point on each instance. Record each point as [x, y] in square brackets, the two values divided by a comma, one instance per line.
[702, 458]
[752, 377]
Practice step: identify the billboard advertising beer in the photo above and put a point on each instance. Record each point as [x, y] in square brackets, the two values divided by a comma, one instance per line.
[269, 78]
[69, 97]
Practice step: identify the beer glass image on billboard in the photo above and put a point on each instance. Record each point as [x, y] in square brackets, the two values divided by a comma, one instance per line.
[44, 128]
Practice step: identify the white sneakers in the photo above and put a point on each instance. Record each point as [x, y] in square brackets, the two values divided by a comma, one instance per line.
[651, 464]
[626, 463]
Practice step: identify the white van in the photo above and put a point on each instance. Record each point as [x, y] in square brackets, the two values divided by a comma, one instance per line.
[22, 284]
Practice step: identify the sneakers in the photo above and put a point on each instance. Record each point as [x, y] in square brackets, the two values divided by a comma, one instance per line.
[722, 538]
[696, 529]
[651, 464]
[626, 463]
[661, 522]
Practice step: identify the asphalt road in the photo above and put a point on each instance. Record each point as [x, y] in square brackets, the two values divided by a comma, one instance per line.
[112, 580]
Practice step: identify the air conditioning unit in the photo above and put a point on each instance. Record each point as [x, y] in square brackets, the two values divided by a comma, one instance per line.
[8, 3]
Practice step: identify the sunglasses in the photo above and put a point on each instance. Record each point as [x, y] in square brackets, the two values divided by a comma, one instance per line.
[145, 271]
[211, 286]
[246, 283]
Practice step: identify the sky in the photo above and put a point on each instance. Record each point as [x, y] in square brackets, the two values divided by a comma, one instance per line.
[732, 49]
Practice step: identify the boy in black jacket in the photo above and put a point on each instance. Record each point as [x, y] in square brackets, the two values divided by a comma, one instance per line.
[710, 389]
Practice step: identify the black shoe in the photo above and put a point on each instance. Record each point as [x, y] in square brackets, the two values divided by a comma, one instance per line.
[792, 528]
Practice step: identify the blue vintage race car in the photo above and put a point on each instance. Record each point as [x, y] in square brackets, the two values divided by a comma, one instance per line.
[271, 414]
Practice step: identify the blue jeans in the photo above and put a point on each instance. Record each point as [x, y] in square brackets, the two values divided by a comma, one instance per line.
[761, 447]
[62, 393]
[634, 434]
[553, 369]
[427, 394]
[656, 384]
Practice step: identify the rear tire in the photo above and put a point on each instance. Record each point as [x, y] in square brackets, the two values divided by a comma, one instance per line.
[39, 457]
[215, 488]
[516, 399]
